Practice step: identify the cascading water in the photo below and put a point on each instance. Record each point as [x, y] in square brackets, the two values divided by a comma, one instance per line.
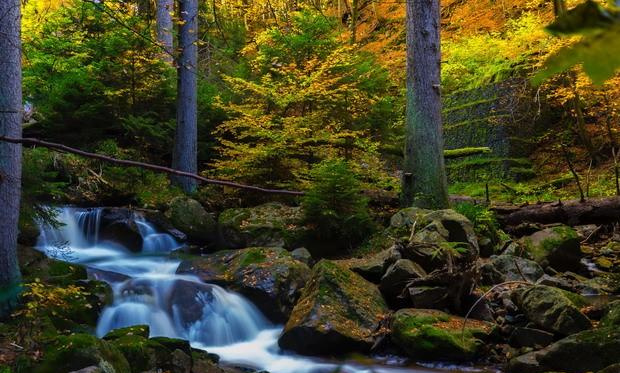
[147, 291]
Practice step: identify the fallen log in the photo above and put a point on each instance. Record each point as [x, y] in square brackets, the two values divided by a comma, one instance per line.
[573, 212]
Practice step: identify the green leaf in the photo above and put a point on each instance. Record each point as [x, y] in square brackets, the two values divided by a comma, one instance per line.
[583, 19]
[599, 55]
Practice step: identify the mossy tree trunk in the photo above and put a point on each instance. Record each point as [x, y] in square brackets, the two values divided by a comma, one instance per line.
[424, 177]
[185, 154]
[10, 125]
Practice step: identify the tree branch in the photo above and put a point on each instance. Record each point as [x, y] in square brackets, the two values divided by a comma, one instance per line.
[148, 166]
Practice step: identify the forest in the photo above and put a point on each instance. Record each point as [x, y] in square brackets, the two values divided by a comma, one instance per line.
[309, 186]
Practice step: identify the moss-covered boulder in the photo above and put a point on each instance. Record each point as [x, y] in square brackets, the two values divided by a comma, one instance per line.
[270, 277]
[78, 351]
[558, 247]
[435, 335]
[612, 315]
[553, 309]
[338, 312]
[504, 268]
[270, 224]
[34, 264]
[188, 216]
[587, 351]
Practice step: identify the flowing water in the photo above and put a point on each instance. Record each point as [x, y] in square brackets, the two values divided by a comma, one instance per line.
[147, 291]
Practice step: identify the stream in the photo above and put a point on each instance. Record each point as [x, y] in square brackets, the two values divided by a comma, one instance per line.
[147, 291]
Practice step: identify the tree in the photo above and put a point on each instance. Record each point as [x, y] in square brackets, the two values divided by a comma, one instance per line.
[164, 27]
[424, 177]
[10, 125]
[184, 157]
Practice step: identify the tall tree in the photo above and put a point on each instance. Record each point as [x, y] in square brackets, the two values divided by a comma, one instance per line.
[184, 157]
[424, 176]
[11, 126]
[164, 27]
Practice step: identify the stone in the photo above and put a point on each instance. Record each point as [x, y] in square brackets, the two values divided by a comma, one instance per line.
[373, 268]
[435, 335]
[268, 225]
[553, 309]
[338, 312]
[124, 232]
[505, 268]
[190, 217]
[529, 337]
[270, 277]
[612, 315]
[434, 297]
[558, 247]
[396, 279]
[614, 368]
[303, 255]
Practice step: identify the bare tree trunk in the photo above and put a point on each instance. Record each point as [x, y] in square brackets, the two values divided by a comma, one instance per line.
[184, 157]
[10, 125]
[164, 27]
[354, 17]
[424, 175]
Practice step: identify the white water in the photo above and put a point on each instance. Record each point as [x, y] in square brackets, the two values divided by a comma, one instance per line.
[148, 292]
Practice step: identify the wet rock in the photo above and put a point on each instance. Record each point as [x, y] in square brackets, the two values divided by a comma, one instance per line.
[612, 315]
[553, 309]
[270, 277]
[373, 268]
[435, 335]
[188, 216]
[558, 247]
[270, 225]
[124, 232]
[338, 312]
[78, 351]
[528, 337]
[504, 268]
[587, 351]
[138, 330]
[34, 264]
[397, 278]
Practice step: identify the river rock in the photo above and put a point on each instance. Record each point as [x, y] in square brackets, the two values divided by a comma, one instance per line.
[271, 225]
[270, 277]
[504, 268]
[123, 232]
[558, 247]
[435, 335]
[612, 315]
[338, 312]
[587, 351]
[435, 297]
[373, 268]
[35, 265]
[529, 337]
[188, 216]
[553, 309]
[396, 279]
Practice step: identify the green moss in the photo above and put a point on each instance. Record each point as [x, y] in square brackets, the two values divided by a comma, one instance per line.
[468, 105]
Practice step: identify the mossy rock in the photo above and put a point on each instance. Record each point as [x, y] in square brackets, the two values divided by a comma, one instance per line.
[612, 316]
[435, 335]
[82, 313]
[269, 277]
[374, 267]
[558, 247]
[188, 216]
[78, 351]
[139, 330]
[553, 309]
[271, 224]
[338, 312]
[504, 268]
[34, 264]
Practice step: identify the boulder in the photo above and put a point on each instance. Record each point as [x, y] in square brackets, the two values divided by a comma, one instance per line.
[123, 232]
[529, 337]
[188, 216]
[504, 268]
[587, 351]
[459, 229]
[373, 268]
[612, 315]
[34, 264]
[614, 368]
[435, 335]
[78, 351]
[270, 277]
[271, 225]
[397, 278]
[553, 309]
[303, 255]
[435, 297]
[338, 312]
[558, 247]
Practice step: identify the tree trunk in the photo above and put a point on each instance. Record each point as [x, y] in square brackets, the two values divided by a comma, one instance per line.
[424, 175]
[184, 157]
[10, 125]
[354, 17]
[164, 27]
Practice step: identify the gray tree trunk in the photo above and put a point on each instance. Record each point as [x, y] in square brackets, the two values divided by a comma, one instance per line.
[185, 154]
[424, 176]
[164, 27]
[10, 125]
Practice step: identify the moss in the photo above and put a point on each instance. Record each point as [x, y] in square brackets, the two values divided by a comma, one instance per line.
[252, 256]
[468, 105]
[139, 330]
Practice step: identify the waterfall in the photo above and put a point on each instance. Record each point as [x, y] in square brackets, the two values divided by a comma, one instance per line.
[147, 291]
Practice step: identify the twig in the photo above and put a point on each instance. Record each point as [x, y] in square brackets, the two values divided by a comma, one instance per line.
[592, 234]
[148, 166]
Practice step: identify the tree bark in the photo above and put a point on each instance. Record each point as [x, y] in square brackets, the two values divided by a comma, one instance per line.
[424, 176]
[10, 125]
[184, 157]
[164, 28]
